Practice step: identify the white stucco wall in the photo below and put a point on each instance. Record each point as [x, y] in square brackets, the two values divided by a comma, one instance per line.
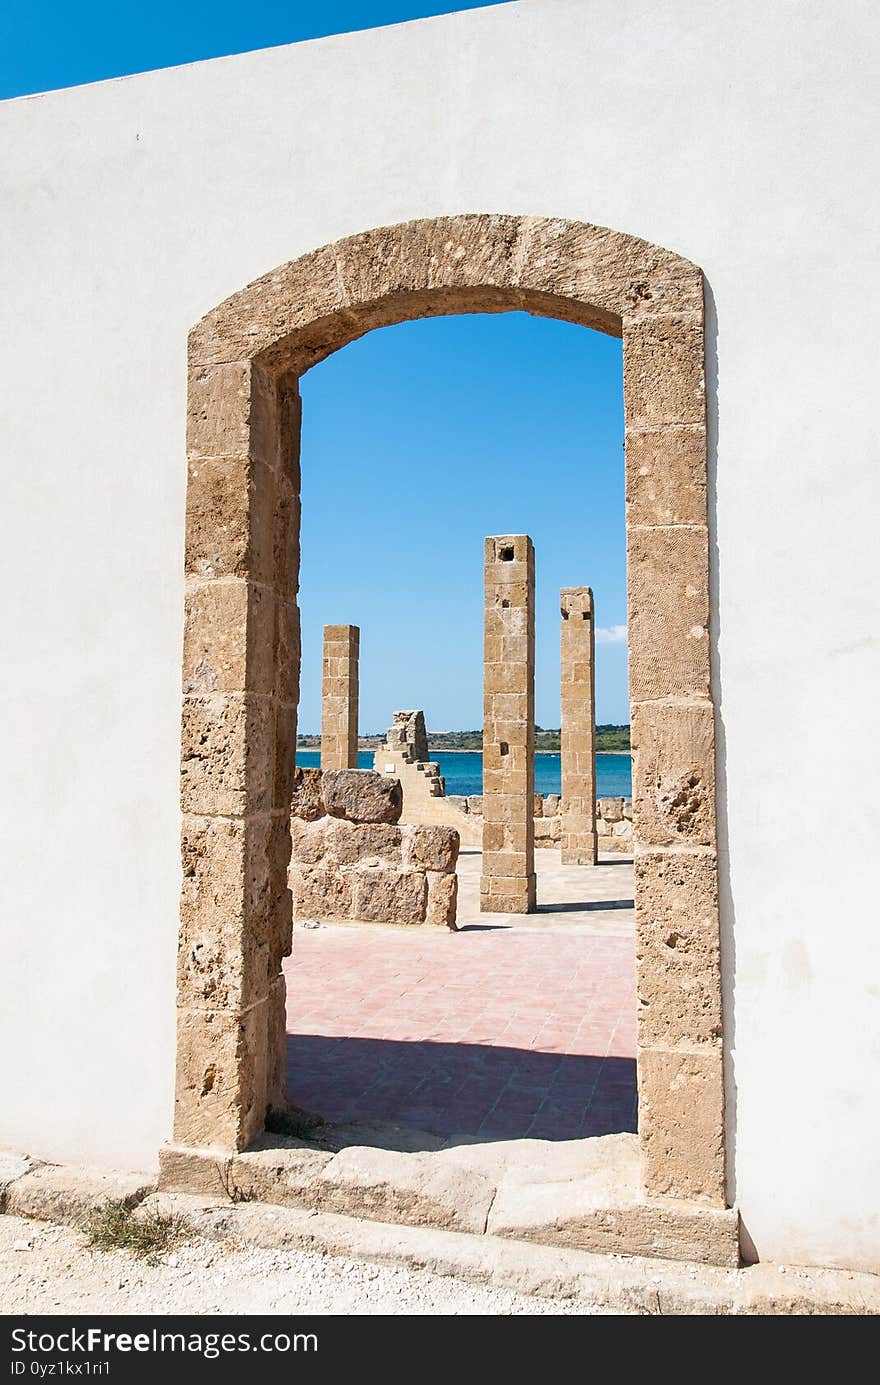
[739, 136]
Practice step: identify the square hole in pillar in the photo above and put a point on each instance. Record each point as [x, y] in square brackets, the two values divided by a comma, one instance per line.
[504, 748]
[505, 553]
[505, 604]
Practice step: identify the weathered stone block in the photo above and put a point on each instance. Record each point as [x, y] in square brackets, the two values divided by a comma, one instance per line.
[666, 476]
[285, 682]
[306, 800]
[320, 891]
[221, 1077]
[285, 756]
[663, 375]
[276, 1043]
[668, 576]
[681, 1124]
[231, 412]
[432, 848]
[229, 639]
[228, 754]
[312, 840]
[674, 774]
[677, 950]
[442, 898]
[475, 804]
[389, 896]
[361, 795]
[611, 809]
[351, 842]
[550, 806]
[230, 519]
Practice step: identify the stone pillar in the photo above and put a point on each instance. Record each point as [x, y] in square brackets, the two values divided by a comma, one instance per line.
[339, 697]
[507, 885]
[578, 736]
[240, 682]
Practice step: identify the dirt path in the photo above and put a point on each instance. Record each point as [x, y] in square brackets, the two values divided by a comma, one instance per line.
[58, 1273]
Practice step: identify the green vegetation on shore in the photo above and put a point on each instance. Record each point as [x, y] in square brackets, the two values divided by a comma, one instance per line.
[608, 737]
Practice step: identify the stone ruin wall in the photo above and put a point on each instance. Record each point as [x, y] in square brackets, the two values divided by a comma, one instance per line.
[613, 819]
[354, 861]
[404, 753]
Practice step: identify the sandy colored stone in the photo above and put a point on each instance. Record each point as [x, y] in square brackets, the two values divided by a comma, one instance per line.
[674, 774]
[432, 848]
[229, 637]
[287, 652]
[320, 892]
[276, 1043]
[311, 841]
[578, 730]
[279, 1170]
[220, 1097]
[389, 896]
[71, 1194]
[339, 697]
[663, 371]
[285, 757]
[230, 519]
[442, 898]
[677, 950]
[666, 476]
[306, 800]
[351, 842]
[384, 1185]
[224, 416]
[668, 575]
[361, 795]
[228, 754]
[681, 1125]
[501, 894]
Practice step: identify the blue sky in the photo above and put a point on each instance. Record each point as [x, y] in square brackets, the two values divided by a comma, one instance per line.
[418, 440]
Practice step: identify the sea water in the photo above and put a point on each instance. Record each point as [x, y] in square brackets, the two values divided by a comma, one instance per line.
[463, 771]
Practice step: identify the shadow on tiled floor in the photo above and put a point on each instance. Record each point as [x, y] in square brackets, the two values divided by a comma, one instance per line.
[490, 1092]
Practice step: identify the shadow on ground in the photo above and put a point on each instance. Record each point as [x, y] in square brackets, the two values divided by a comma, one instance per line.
[480, 1091]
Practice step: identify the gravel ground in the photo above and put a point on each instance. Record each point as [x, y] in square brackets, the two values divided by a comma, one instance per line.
[58, 1273]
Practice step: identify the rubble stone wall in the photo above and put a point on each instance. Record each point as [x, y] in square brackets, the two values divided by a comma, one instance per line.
[354, 861]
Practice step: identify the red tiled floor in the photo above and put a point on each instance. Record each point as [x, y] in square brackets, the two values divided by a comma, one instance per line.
[499, 1033]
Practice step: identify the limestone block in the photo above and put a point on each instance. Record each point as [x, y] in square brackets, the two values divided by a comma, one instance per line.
[385, 1185]
[312, 841]
[628, 808]
[228, 639]
[611, 809]
[432, 848]
[663, 375]
[543, 830]
[458, 801]
[551, 805]
[306, 800]
[622, 829]
[227, 899]
[361, 795]
[320, 891]
[674, 774]
[350, 842]
[227, 754]
[442, 898]
[668, 575]
[475, 804]
[280, 1170]
[666, 476]
[285, 756]
[287, 651]
[71, 1194]
[230, 519]
[220, 1097]
[231, 412]
[507, 895]
[681, 1124]
[677, 950]
[389, 896]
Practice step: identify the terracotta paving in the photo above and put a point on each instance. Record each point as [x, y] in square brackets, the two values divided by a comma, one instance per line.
[508, 1028]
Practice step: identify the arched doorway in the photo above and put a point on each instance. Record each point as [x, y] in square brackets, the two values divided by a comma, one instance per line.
[241, 652]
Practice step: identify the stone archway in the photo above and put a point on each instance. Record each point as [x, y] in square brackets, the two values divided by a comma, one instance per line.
[241, 653]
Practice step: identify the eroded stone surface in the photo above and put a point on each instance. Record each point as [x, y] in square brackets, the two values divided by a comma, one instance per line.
[361, 795]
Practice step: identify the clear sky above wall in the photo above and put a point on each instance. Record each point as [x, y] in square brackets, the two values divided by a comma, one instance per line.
[419, 440]
[63, 43]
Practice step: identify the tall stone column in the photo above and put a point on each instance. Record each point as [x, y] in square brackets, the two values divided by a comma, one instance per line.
[339, 697]
[578, 736]
[507, 884]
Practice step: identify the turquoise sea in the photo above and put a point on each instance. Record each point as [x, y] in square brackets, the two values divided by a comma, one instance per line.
[463, 771]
